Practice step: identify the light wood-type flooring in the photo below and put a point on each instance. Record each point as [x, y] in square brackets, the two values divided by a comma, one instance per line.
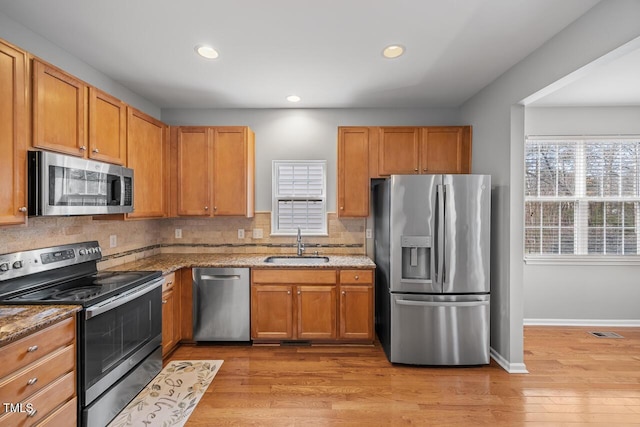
[574, 379]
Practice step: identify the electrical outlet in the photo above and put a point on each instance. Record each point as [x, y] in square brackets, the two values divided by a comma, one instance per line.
[178, 233]
[240, 233]
[113, 241]
[257, 233]
[368, 233]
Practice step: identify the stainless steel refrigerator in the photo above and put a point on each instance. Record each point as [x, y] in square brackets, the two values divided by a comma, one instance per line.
[432, 252]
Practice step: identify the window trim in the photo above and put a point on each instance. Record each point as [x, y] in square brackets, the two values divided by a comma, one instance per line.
[581, 203]
[275, 198]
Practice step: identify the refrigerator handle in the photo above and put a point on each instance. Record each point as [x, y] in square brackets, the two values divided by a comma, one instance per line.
[440, 235]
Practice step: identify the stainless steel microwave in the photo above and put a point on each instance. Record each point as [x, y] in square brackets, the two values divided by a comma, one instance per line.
[66, 185]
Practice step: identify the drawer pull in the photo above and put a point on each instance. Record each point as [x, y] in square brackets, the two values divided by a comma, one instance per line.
[169, 283]
[32, 381]
[32, 349]
[344, 292]
[357, 277]
[164, 301]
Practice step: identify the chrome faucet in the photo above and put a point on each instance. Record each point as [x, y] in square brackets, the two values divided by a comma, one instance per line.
[300, 244]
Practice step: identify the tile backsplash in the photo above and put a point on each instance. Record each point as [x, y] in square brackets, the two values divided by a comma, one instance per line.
[141, 238]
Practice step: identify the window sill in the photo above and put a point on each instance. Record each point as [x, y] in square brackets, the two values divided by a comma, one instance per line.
[582, 260]
[304, 234]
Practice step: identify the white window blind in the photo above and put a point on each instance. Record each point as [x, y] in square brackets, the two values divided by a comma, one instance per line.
[299, 197]
[582, 196]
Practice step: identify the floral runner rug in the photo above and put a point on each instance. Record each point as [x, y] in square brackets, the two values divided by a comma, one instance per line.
[170, 398]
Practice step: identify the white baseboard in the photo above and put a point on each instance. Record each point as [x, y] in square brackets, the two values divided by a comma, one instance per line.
[582, 322]
[512, 368]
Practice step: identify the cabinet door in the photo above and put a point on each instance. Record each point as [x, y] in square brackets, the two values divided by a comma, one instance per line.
[233, 171]
[194, 147]
[398, 150]
[316, 312]
[271, 312]
[148, 156]
[353, 172]
[168, 321]
[356, 312]
[107, 128]
[445, 150]
[13, 136]
[59, 105]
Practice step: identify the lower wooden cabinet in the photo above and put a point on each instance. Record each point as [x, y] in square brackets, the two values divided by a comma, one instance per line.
[38, 376]
[311, 305]
[170, 313]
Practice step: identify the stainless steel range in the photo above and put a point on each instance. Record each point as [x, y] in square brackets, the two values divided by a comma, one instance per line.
[119, 327]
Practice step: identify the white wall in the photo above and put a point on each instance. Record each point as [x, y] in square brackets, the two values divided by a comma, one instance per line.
[582, 294]
[498, 150]
[37, 45]
[303, 134]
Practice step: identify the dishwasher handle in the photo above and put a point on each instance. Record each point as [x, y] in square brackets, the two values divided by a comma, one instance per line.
[219, 277]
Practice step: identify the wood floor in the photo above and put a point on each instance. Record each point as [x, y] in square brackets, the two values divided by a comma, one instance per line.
[574, 379]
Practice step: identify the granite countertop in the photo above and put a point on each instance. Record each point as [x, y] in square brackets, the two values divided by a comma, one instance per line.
[17, 321]
[168, 263]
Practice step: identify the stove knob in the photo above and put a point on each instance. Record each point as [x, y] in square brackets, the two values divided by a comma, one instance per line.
[17, 264]
[4, 267]
[82, 252]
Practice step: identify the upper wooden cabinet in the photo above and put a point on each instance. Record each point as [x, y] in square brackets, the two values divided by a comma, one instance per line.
[427, 150]
[148, 156]
[445, 149]
[398, 150]
[59, 110]
[13, 135]
[107, 128]
[353, 171]
[215, 169]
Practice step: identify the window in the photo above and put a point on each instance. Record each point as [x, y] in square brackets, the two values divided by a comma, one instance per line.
[299, 197]
[582, 197]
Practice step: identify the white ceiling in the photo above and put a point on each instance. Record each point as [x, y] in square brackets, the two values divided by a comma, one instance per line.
[327, 52]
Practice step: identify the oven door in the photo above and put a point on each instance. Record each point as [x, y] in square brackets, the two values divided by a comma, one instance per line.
[117, 335]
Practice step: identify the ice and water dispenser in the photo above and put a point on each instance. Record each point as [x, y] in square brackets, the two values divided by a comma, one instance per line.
[416, 257]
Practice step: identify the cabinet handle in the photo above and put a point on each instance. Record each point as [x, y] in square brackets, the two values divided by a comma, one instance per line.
[22, 209]
[169, 283]
[206, 208]
[32, 349]
[288, 292]
[425, 169]
[83, 148]
[416, 169]
[32, 381]
[215, 208]
[299, 292]
[32, 413]
[356, 277]
[164, 301]
[95, 150]
[344, 292]
[341, 208]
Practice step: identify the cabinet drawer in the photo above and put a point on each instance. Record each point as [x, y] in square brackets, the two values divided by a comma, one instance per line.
[43, 402]
[36, 376]
[294, 276]
[31, 348]
[169, 281]
[354, 277]
[65, 415]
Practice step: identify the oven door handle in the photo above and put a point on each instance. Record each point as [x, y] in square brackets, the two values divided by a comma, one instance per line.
[121, 299]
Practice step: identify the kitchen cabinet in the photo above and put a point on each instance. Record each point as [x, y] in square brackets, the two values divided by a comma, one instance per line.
[432, 149]
[215, 169]
[356, 311]
[59, 110]
[107, 128]
[170, 313]
[184, 283]
[40, 369]
[293, 304]
[353, 172]
[13, 135]
[148, 156]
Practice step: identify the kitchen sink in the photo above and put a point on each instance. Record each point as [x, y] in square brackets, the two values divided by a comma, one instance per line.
[306, 260]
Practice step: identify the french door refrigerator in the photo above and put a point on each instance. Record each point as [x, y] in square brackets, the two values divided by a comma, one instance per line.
[432, 252]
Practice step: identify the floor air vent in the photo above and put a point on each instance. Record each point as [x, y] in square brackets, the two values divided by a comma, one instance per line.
[606, 335]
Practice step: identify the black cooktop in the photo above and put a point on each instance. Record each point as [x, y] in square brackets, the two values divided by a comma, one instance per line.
[86, 290]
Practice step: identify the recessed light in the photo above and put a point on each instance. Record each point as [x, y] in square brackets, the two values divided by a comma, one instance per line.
[293, 98]
[206, 51]
[393, 51]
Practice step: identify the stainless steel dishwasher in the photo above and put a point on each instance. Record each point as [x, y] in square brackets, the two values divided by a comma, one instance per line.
[221, 304]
